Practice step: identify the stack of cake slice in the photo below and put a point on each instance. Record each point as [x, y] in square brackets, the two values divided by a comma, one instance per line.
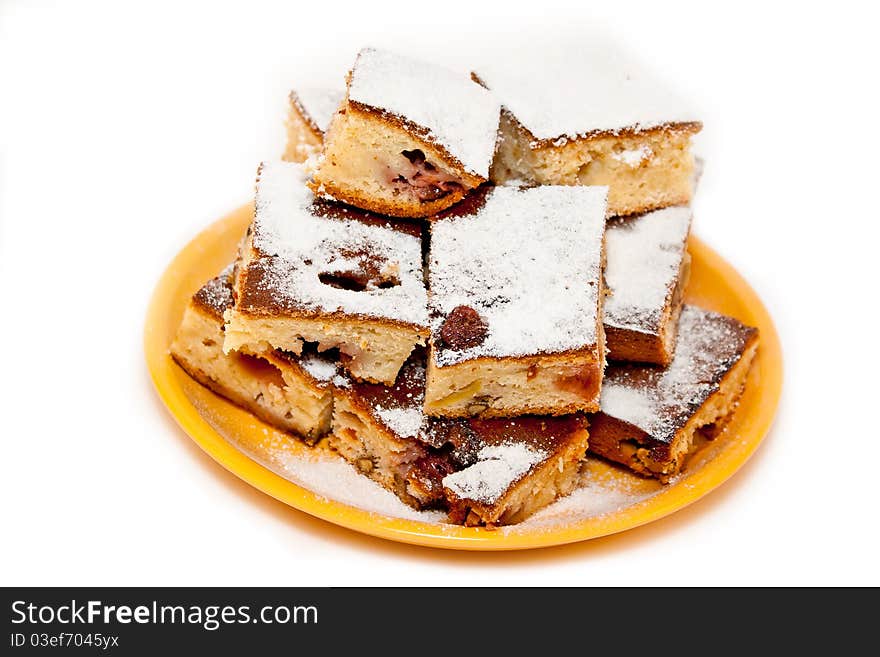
[433, 296]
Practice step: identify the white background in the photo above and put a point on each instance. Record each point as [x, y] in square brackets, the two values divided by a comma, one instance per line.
[125, 129]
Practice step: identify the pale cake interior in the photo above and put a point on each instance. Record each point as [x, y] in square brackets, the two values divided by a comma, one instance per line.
[371, 350]
[644, 171]
[267, 386]
[542, 385]
[375, 164]
[303, 141]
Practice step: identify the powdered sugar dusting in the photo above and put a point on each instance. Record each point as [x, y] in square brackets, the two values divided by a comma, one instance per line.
[319, 367]
[637, 406]
[565, 90]
[644, 257]
[216, 294]
[496, 469]
[634, 156]
[457, 113]
[318, 104]
[405, 422]
[296, 247]
[588, 501]
[529, 263]
[659, 401]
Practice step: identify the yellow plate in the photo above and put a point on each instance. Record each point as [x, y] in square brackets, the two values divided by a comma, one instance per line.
[230, 435]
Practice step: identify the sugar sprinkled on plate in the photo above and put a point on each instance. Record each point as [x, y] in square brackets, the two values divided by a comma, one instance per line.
[590, 500]
[333, 478]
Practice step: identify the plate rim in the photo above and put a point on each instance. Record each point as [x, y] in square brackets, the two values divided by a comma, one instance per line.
[702, 482]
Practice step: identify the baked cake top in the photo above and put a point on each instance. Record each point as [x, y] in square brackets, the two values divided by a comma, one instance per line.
[317, 105]
[644, 257]
[397, 407]
[564, 92]
[506, 450]
[314, 257]
[445, 108]
[518, 270]
[660, 401]
[215, 296]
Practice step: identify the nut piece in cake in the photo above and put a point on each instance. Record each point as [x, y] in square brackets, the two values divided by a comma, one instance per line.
[515, 298]
[650, 415]
[292, 394]
[647, 272]
[311, 110]
[583, 115]
[315, 271]
[410, 139]
[518, 466]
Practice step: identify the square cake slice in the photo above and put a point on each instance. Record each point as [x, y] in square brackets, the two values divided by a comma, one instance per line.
[382, 431]
[315, 271]
[583, 115]
[647, 272]
[650, 415]
[516, 466]
[515, 303]
[310, 112]
[410, 139]
[290, 393]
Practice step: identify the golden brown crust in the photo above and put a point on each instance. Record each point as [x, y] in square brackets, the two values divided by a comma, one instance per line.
[296, 105]
[690, 127]
[548, 411]
[304, 137]
[591, 350]
[631, 345]
[630, 210]
[401, 209]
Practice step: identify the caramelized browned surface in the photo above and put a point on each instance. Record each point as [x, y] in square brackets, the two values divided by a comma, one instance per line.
[215, 296]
